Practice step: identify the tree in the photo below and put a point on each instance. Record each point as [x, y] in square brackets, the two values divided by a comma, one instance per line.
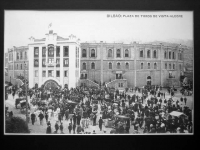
[16, 125]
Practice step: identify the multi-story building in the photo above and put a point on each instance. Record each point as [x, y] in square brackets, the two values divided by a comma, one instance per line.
[55, 61]
[6, 66]
[121, 65]
[18, 63]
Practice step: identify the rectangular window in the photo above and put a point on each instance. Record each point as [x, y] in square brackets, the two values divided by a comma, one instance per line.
[141, 53]
[17, 56]
[148, 65]
[25, 55]
[36, 73]
[43, 51]
[165, 66]
[141, 65]
[57, 62]
[50, 73]
[43, 62]
[65, 73]
[66, 62]
[51, 60]
[36, 51]
[57, 51]
[66, 51]
[119, 76]
[43, 73]
[21, 55]
[57, 73]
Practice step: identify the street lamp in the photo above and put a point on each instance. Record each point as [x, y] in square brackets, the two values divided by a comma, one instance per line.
[26, 94]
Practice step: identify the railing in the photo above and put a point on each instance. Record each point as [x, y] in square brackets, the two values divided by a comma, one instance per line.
[114, 81]
[87, 81]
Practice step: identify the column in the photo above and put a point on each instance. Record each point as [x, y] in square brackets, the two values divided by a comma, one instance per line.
[46, 62]
[61, 67]
[54, 67]
[30, 54]
[101, 52]
[40, 67]
[161, 65]
[13, 63]
[135, 67]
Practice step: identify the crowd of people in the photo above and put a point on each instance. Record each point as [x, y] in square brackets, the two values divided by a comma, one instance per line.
[146, 110]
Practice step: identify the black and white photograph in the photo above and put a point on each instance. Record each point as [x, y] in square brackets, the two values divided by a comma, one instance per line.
[98, 72]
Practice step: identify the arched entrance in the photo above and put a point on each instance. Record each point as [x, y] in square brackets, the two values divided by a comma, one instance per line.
[51, 84]
[149, 80]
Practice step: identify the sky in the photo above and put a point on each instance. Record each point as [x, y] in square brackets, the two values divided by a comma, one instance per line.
[96, 26]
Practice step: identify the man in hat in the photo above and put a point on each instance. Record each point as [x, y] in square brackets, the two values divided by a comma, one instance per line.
[41, 116]
[100, 123]
[33, 118]
[56, 127]
[70, 128]
[48, 131]
[61, 127]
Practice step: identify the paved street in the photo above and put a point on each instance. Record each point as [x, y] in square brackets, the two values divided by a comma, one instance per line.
[41, 129]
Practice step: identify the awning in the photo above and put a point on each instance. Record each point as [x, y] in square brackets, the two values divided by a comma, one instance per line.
[22, 101]
[122, 117]
[176, 113]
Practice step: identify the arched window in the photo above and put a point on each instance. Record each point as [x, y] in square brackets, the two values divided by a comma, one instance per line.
[170, 66]
[173, 55]
[148, 54]
[126, 53]
[141, 53]
[148, 65]
[92, 53]
[154, 54]
[169, 55]
[173, 66]
[118, 65]
[166, 66]
[141, 65]
[165, 55]
[155, 66]
[92, 65]
[84, 66]
[36, 63]
[118, 53]
[51, 51]
[110, 53]
[127, 65]
[84, 54]
[110, 65]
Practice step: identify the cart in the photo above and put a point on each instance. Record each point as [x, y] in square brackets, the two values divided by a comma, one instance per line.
[122, 119]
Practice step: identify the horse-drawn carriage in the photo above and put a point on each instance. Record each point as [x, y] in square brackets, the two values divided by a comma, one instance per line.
[18, 100]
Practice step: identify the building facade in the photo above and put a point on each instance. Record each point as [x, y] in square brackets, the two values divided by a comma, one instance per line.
[55, 61]
[121, 65]
[18, 64]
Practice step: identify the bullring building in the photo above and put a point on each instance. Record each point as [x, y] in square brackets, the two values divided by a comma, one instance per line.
[55, 61]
